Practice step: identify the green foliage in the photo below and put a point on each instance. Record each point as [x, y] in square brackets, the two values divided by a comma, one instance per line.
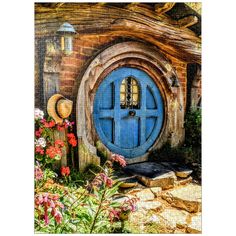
[193, 123]
[87, 205]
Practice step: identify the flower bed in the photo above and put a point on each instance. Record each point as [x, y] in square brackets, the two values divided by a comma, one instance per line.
[67, 201]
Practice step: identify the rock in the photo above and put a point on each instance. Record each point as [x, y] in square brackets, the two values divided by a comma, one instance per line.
[175, 218]
[145, 195]
[165, 181]
[180, 170]
[195, 227]
[156, 191]
[180, 231]
[152, 205]
[184, 181]
[186, 197]
[133, 190]
[152, 174]
[128, 182]
[183, 173]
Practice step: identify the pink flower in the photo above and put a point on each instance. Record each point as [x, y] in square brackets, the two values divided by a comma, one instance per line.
[109, 182]
[114, 214]
[39, 150]
[129, 205]
[58, 217]
[38, 173]
[50, 203]
[38, 132]
[118, 158]
[102, 178]
[68, 123]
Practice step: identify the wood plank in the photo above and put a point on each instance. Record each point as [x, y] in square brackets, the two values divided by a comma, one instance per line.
[187, 21]
[162, 8]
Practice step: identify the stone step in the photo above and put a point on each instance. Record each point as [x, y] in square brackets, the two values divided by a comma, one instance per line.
[181, 181]
[180, 170]
[152, 174]
[187, 197]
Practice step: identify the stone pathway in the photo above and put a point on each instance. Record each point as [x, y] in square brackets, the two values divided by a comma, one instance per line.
[169, 201]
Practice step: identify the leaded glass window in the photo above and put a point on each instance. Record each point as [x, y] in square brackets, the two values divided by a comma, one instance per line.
[129, 94]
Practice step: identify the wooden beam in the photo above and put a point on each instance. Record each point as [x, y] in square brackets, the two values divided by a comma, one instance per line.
[179, 42]
[161, 8]
[187, 21]
[146, 10]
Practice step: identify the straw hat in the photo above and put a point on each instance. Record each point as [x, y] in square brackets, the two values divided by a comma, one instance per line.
[59, 107]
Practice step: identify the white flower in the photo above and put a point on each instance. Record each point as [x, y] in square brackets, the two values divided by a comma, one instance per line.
[38, 114]
[40, 142]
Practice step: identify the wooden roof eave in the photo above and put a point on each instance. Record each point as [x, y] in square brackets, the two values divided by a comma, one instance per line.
[180, 42]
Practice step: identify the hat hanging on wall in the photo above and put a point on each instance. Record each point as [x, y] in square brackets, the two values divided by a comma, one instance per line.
[59, 107]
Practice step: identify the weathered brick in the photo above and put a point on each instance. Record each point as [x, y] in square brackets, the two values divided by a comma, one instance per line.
[66, 89]
[67, 82]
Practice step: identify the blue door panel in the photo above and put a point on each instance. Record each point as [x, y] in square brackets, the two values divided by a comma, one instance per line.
[130, 136]
[150, 101]
[150, 124]
[107, 127]
[107, 97]
[129, 132]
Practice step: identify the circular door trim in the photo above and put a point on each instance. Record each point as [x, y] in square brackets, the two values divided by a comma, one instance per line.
[143, 148]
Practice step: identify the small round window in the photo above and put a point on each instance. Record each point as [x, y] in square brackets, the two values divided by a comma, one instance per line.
[129, 94]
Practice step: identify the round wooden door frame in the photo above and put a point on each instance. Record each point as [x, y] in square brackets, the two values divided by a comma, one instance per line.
[162, 74]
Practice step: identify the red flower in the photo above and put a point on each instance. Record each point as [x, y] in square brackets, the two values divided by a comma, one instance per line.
[60, 128]
[72, 140]
[59, 143]
[52, 152]
[65, 171]
[38, 132]
[70, 135]
[49, 124]
[39, 150]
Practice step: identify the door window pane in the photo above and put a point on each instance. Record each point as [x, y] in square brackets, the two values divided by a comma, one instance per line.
[129, 94]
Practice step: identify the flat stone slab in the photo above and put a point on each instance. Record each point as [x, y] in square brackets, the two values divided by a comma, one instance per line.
[180, 170]
[175, 218]
[151, 205]
[152, 174]
[186, 197]
[145, 195]
[181, 181]
[156, 191]
[195, 227]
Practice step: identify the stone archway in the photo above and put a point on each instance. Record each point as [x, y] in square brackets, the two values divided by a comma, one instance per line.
[150, 60]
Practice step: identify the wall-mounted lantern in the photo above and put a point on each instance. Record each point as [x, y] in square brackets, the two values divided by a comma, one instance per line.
[66, 32]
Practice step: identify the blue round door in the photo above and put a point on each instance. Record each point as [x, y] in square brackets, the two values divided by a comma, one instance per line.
[128, 112]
